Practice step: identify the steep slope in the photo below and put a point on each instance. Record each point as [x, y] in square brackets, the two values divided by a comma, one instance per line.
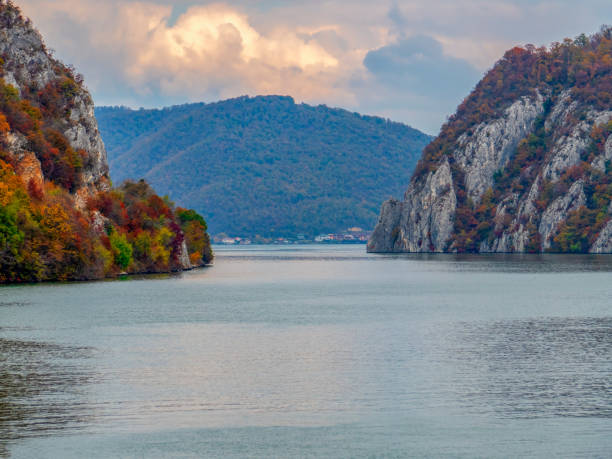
[524, 164]
[265, 165]
[55, 91]
[59, 217]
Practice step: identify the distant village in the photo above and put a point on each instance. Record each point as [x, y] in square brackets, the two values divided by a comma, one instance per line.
[354, 235]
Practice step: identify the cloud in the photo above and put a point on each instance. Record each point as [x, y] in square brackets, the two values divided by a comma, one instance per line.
[418, 64]
[150, 55]
[411, 60]
[414, 72]
[214, 49]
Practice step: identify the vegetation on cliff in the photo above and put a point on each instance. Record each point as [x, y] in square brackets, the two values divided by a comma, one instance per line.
[54, 225]
[579, 69]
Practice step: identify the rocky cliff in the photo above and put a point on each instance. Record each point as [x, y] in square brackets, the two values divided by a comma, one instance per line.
[59, 217]
[28, 67]
[524, 164]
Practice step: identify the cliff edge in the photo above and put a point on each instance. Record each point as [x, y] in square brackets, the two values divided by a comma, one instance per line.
[60, 219]
[58, 92]
[522, 166]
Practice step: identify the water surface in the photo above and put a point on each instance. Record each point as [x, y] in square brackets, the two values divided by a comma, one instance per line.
[314, 351]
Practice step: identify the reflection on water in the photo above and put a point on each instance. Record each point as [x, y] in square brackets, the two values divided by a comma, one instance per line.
[42, 389]
[319, 351]
[500, 262]
[7, 304]
[535, 367]
[194, 375]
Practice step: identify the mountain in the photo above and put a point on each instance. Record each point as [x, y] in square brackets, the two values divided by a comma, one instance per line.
[265, 165]
[59, 217]
[522, 166]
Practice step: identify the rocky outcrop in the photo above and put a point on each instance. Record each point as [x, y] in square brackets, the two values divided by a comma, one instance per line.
[569, 148]
[492, 144]
[423, 222]
[601, 162]
[29, 67]
[556, 212]
[82, 133]
[184, 257]
[531, 175]
[387, 230]
[603, 244]
[55, 184]
[29, 169]
[27, 165]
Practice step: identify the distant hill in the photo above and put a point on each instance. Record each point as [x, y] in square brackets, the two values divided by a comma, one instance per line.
[264, 165]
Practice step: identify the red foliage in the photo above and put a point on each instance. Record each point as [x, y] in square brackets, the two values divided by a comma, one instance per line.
[35, 190]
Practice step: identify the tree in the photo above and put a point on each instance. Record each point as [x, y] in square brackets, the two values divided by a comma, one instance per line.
[122, 250]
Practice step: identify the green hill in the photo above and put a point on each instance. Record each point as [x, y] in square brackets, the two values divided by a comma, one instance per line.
[265, 165]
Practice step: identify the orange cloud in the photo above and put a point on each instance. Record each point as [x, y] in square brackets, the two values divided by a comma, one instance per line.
[210, 51]
[140, 53]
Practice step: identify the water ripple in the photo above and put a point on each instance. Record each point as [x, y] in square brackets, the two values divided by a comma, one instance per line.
[535, 367]
[41, 389]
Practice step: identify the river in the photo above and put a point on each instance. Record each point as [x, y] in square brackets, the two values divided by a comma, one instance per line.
[314, 351]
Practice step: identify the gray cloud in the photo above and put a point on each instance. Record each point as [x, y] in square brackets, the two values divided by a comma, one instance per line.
[415, 71]
[410, 60]
[398, 21]
[419, 64]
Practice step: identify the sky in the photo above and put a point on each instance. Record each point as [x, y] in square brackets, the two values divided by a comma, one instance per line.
[411, 61]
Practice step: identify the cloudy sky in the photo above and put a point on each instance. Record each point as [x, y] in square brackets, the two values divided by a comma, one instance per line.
[408, 60]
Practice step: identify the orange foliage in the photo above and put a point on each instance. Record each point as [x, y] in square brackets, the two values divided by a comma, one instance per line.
[43, 236]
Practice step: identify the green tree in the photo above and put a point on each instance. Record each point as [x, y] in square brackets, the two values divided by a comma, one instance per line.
[122, 250]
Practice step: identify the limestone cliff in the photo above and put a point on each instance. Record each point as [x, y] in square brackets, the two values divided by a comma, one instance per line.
[59, 217]
[28, 67]
[524, 164]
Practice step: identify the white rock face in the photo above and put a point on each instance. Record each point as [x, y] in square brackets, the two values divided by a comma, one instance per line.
[27, 62]
[506, 208]
[599, 163]
[603, 244]
[494, 143]
[560, 111]
[29, 68]
[424, 221]
[184, 257]
[568, 148]
[558, 211]
[387, 230]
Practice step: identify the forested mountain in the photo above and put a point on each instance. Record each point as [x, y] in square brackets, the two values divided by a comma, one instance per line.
[265, 165]
[524, 163]
[59, 217]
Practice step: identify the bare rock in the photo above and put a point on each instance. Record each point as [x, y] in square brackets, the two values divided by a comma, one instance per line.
[558, 210]
[387, 230]
[603, 244]
[29, 67]
[494, 143]
[184, 257]
[423, 222]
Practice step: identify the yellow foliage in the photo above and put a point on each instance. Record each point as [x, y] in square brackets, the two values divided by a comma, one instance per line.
[106, 256]
[11, 186]
[164, 236]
